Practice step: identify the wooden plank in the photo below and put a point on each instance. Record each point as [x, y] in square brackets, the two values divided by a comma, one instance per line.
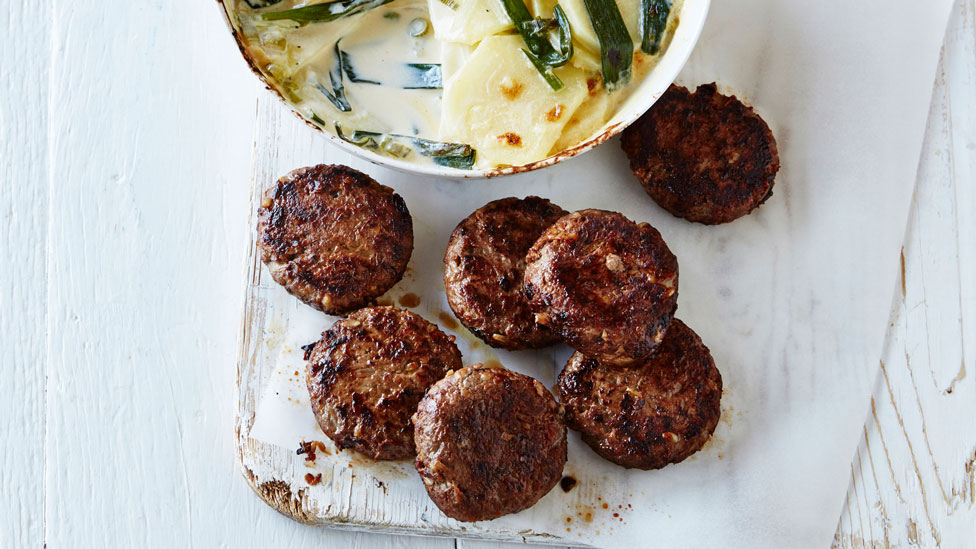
[23, 279]
[914, 476]
[150, 162]
[362, 497]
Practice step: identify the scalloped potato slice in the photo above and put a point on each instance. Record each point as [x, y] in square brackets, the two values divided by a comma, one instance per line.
[453, 57]
[542, 8]
[588, 118]
[467, 21]
[583, 33]
[499, 104]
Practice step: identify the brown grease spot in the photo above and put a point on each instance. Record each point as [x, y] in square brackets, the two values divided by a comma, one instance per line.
[494, 363]
[588, 517]
[605, 506]
[569, 519]
[511, 89]
[409, 300]
[447, 320]
[312, 480]
[615, 515]
[592, 84]
[511, 139]
[555, 113]
[568, 483]
[385, 301]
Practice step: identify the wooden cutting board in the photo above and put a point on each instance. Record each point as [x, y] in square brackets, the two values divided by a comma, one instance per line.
[354, 492]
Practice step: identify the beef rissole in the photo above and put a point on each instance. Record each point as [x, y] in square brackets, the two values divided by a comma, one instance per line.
[334, 237]
[367, 374]
[606, 285]
[647, 416]
[490, 442]
[703, 156]
[483, 269]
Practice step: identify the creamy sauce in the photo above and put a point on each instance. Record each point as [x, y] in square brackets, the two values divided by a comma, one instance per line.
[475, 87]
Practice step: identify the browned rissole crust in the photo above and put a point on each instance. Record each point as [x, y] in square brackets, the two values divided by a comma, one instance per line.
[483, 269]
[648, 416]
[490, 442]
[703, 156]
[334, 237]
[605, 284]
[367, 374]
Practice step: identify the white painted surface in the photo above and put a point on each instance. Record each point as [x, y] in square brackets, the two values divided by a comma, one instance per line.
[914, 474]
[23, 277]
[139, 450]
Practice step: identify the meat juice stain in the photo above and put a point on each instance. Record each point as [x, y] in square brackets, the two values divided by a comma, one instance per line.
[567, 484]
[385, 301]
[409, 300]
[447, 320]
[585, 512]
[494, 363]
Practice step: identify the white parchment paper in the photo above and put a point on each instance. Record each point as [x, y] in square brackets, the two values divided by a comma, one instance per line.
[793, 300]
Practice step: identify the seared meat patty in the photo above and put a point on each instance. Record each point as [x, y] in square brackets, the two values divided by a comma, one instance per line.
[646, 417]
[367, 374]
[333, 237]
[605, 284]
[703, 156]
[489, 442]
[484, 264]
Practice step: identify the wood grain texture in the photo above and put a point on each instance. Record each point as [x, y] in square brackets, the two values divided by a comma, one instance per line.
[150, 166]
[358, 495]
[913, 480]
[23, 280]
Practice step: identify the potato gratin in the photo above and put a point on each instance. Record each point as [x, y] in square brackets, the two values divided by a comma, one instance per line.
[460, 83]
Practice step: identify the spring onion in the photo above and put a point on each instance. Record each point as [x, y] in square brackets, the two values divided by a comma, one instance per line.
[325, 12]
[452, 155]
[417, 27]
[424, 76]
[338, 94]
[653, 23]
[350, 70]
[535, 33]
[546, 71]
[616, 47]
[408, 76]
[256, 4]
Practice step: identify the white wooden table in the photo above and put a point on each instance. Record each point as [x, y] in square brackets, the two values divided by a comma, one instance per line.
[122, 233]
